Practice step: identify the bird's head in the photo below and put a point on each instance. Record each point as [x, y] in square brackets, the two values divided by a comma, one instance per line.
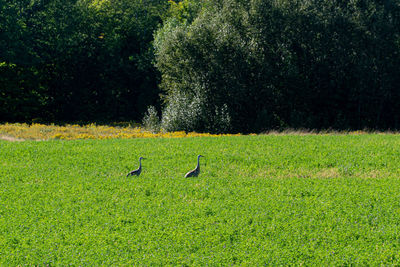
[200, 156]
[141, 158]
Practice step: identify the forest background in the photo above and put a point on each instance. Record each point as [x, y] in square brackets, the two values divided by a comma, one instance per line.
[202, 65]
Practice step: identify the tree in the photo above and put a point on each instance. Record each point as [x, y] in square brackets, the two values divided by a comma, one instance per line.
[274, 64]
[90, 60]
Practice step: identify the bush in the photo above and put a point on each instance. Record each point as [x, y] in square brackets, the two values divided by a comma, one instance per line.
[151, 121]
[184, 113]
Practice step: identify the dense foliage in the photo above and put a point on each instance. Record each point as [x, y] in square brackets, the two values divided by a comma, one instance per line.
[225, 65]
[262, 64]
[77, 60]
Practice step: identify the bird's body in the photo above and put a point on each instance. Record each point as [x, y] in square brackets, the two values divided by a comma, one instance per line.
[196, 171]
[138, 170]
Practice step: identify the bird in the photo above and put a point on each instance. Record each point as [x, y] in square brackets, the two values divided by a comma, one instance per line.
[138, 170]
[196, 171]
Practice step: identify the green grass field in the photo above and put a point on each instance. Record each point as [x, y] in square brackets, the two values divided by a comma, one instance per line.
[259, 200]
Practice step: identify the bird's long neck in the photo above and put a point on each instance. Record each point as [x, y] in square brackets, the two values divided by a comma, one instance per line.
[198, 163]
[140, 163]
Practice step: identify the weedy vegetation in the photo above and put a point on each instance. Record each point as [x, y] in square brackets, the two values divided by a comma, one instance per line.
[259, 200]
[37, 131]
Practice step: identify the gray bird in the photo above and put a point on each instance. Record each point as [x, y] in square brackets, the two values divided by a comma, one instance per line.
[196, 171]
[138, 170]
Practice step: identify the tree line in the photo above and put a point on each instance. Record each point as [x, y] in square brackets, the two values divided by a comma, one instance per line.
[202, 65]
[78, 60]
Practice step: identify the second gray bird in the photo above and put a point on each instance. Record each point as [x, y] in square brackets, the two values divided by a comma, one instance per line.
[196, 171]
[138, 170]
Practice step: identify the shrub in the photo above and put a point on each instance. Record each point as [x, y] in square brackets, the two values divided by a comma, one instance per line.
[151, 121]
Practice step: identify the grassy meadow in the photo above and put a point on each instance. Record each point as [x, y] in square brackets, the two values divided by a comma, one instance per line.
[259, 200]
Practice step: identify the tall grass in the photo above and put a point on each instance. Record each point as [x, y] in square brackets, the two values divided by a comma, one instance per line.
[23, 131]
